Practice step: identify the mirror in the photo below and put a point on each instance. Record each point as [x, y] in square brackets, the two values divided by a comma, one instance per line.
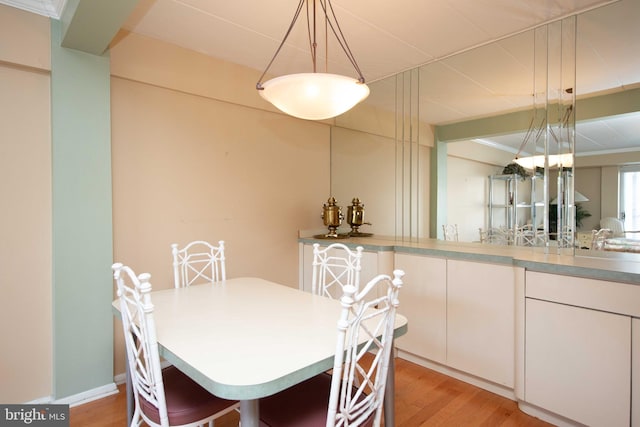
[451, 140]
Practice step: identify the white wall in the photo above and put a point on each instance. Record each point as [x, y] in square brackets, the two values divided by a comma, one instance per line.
[467, 189]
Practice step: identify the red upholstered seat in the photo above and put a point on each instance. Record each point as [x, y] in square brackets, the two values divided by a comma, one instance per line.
[187, 402]
[163, 397]
[303, 405]
[353, 394]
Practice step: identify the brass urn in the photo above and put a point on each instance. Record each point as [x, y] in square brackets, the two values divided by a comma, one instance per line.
[355, 217]
[332, 216]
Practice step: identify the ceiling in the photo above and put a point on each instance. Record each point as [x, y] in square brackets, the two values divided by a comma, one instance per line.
[384, 39]
[388, 38]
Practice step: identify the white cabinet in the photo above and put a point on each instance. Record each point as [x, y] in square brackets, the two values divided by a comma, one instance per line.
[578, 363]
[423, 301]
[578, 340]
[461, 315]
[580, 337]
[481, 320]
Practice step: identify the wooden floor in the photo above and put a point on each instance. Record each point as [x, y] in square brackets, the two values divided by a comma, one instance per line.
[423, 398]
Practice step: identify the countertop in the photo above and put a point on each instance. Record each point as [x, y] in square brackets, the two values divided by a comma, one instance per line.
[617, 267]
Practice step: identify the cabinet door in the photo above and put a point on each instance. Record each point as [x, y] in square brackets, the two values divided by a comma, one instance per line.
[423, 302]
[481, 320]
[578, 363]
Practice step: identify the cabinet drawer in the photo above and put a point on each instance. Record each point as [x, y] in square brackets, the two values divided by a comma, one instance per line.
[596, 294]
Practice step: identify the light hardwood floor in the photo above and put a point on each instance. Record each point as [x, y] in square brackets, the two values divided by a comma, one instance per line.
[423, 398]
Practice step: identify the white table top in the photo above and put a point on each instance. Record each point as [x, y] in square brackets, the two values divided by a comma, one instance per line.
[247, 338]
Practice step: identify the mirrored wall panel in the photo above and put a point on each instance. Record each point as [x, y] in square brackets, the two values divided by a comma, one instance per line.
[436, 146]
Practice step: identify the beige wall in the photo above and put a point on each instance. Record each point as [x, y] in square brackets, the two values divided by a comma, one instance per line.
[468, 166]
[196, 154]
[362, 166]
[25, 217]
[467, 195]
[196, 157]
[390, 178]
[610, 200]
[588, 182]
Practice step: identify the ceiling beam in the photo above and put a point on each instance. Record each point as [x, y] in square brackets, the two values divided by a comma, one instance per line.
[609, 105]
[89, 25]
[587, 109]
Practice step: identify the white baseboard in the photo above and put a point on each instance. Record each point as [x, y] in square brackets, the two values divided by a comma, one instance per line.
[547, 416]
[120, 378]
[506, 392]
[89, 395]
[459, 375]
[40, 401]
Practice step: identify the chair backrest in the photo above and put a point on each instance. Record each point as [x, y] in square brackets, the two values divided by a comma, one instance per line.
[141, 345]
[450, 232]
[499, 236]
[598, 237]
[528, 235]
[365, 326]
[335, 267]
[566, 239]
[483, 235]
[198, 262]
[614, 224]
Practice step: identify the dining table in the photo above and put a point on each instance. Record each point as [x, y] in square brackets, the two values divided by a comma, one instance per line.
[247, 338]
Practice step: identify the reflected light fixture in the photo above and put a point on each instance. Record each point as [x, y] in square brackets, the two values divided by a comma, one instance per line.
[537, 161]
[315, 95]
[533, 161]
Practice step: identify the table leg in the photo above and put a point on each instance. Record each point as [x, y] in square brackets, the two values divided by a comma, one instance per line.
[389, 395]
[249, 413]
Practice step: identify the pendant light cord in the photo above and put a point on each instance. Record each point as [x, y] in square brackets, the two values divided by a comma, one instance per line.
[337, 32]
[295, 18]
[341, 39]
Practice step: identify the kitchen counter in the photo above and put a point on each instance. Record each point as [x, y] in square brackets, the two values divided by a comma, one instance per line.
[618, 267]
[516, 320]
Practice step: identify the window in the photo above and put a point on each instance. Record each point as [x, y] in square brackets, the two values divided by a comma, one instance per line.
[630, 197]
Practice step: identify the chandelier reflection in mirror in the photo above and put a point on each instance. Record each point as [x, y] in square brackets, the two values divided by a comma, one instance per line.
[563, 142]
[315, 95]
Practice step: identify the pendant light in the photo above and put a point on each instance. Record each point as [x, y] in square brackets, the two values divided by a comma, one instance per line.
[315, 95]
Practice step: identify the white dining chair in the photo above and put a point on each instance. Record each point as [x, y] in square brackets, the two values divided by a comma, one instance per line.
[162, 397]
[198, 262]
[335, 267]
[353, 394]
[527, 235]
[598, 238]
[500, 236]
[614, 224]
